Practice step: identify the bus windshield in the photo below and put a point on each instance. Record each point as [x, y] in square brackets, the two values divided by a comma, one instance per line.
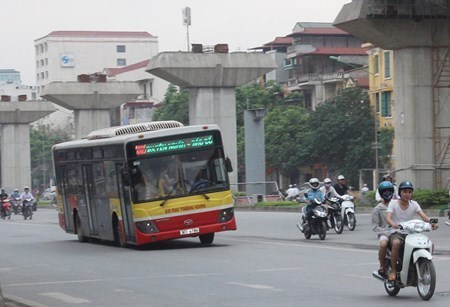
[176, 175]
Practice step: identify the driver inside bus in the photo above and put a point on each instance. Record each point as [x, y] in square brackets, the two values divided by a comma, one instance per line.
[168, 183]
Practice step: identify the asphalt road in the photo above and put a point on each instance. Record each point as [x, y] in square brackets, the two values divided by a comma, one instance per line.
[266, 262]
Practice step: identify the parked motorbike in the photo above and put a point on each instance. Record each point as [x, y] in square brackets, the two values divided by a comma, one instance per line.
[416, 268]
[333, 205]
[317, 224]
[348, 212]
[6, 208]
[27, 205]
[16, 205]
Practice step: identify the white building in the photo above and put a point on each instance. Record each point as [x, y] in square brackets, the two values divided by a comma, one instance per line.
[64, 55]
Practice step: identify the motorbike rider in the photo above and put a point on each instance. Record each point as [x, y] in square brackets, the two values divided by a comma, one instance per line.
[3, 195]
[341, 186]
[328, 189]
[292, 192]
[311, 194]
[398, 211]
[387, 177]
[379, 224]
[26, 194]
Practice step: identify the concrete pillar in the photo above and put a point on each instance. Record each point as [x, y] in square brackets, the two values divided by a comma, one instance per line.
[91, 102]
[255, 157]
[212, 79]
[416, 33]
[15, 119]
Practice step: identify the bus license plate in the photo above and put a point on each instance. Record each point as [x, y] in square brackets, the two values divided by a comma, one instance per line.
[189, 231]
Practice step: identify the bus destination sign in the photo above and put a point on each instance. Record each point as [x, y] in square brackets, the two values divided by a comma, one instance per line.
[175, 145]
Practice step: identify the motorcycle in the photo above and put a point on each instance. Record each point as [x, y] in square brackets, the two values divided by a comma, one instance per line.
[27, 205]
[16, 205]
[348, 212]
[317, 224]
[334, 214]
[6, 208]
[416, 265]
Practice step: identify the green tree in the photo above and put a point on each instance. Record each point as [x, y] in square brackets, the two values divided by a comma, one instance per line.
[386, 141]
[287, 139]
[42, 138]
[175, 106]
[342, 133]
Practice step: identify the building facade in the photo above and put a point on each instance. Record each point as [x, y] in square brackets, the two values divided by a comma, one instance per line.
[63, 55]
[311, 60]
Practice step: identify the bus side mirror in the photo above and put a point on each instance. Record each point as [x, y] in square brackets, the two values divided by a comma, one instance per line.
[228, 165]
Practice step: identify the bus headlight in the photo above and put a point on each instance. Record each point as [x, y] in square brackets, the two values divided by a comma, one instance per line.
[147, 227]
[225, 215]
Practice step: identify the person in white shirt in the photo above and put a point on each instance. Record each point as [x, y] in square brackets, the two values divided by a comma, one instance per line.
[328, 189]
[398, 211]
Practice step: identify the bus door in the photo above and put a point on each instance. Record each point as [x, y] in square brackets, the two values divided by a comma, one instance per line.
[125, 204]
[63, 185]
[88, 191]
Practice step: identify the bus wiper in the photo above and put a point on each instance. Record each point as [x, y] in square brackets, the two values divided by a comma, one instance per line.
[205, 196]
[166, 197]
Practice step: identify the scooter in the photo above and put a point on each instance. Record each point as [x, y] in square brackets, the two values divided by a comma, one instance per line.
[27, 205]
[348, 212]
[6, 208]
[416, 268]
[17, 205]
[317, 224]
[334, 213]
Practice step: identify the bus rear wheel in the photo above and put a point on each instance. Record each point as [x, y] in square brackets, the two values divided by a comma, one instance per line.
[207, 238]
[80, 234]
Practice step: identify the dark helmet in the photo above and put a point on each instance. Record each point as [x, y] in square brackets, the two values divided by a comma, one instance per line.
[405, 185]
[386, 190]
[387, 177]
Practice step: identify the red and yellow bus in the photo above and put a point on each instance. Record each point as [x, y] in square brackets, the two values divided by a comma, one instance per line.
[144, 183]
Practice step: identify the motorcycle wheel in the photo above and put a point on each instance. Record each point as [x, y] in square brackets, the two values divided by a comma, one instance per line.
[307, 233]
[323, 230]
[427, 284]
[351, 221]
[391, 288]
[338, 225]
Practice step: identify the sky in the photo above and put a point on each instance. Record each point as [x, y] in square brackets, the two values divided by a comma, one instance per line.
[242, 24]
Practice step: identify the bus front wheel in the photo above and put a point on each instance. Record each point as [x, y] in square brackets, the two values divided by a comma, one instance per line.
[118, 234]
[207, 238]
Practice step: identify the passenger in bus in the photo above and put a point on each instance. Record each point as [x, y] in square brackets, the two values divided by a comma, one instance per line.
[151, 184]
[168, 183]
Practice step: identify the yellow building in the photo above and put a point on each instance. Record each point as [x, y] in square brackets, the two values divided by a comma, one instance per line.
[381, 90]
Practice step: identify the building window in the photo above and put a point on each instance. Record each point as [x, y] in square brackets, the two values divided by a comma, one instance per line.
[121, 62]
[386, 107]
[46, 61]
[377, 102]
[46, 75]
[387, 64]
[121, 48]
[375, 64]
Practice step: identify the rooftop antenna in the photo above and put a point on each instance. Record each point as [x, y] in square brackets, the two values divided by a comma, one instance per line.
[186, 14]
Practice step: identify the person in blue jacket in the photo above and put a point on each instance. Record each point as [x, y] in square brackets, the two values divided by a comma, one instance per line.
[313, 193]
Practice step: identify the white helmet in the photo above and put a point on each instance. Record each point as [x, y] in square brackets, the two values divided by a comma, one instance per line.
[290, 185]
[327, 181]
[314, 183]
[340, 177]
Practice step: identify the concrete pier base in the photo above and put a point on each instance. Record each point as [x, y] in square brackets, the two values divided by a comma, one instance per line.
[212, 79]
[91, 102]
[419, 36]
[15, 119]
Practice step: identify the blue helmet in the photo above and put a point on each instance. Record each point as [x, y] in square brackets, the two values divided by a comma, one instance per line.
[386, 190]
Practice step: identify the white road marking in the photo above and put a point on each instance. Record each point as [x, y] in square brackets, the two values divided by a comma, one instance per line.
[254, 286]
[65, 298]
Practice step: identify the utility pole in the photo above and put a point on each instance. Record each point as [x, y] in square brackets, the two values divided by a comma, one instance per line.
[186, 14]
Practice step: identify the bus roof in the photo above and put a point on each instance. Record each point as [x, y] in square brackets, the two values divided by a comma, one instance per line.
[132, 136]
